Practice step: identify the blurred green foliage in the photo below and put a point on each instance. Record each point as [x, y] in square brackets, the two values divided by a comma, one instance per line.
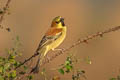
[115, 78]
[70, 66]
[10, 62]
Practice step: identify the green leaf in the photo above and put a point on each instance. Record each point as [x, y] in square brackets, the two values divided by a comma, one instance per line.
[25, 67]
[69, 67]
[67, 62]
[12, 74]
[8, 51]
[12, 61]
[2, 59]
[43, 70]
[16, 64]
[30, 77]
[61, 71]
[68, 59]
[17, 38]
[12, 56]
[1, 68]
[7, 65]
[1, 78]
[113, 79]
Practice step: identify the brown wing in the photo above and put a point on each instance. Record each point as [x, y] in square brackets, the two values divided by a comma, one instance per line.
[51, 35]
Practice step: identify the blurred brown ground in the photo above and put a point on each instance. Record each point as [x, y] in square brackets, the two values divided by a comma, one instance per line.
[31, 18]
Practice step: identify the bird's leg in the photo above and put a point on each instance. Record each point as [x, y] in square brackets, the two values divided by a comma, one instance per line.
[47, 58]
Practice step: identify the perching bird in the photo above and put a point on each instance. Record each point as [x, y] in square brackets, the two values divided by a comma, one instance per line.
[52, 39]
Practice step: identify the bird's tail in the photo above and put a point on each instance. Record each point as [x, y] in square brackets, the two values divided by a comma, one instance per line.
[36, 68]
[39, 61]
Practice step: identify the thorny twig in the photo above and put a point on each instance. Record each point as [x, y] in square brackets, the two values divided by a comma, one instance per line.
[21, 77]
[4, 12]
[84, 40]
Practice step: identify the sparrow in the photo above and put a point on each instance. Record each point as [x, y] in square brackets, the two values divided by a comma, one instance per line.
[52, 39]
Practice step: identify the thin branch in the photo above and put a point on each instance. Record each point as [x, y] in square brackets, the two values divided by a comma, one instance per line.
[84, 40]
[4, 12]
[30, 58]
[21, 77]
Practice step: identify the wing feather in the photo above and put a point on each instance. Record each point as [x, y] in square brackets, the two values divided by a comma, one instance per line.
[50, 36]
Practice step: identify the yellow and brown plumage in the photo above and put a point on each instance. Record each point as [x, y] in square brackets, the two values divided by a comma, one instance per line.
[52, 39]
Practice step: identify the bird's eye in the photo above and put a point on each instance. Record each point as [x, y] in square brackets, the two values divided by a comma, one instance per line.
[57, 22]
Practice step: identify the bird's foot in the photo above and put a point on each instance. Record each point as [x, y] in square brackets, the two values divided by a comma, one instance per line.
[47, 58]
[61, 50]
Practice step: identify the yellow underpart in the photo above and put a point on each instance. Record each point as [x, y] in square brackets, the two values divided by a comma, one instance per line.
[57, 42]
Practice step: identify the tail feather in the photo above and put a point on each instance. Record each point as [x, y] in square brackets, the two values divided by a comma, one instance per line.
[36, 68]
[42, 54]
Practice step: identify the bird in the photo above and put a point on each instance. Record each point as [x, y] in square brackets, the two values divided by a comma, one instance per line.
[54, 36]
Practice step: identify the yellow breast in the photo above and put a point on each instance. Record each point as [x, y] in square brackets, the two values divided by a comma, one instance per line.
[57, 42]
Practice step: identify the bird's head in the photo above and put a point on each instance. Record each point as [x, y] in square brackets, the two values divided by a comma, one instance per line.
[58, 22]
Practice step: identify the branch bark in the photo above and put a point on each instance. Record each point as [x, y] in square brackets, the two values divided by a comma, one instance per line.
[78, 42]
[4, 12]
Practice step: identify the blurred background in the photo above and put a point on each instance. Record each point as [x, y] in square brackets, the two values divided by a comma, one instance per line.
[29, 19]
